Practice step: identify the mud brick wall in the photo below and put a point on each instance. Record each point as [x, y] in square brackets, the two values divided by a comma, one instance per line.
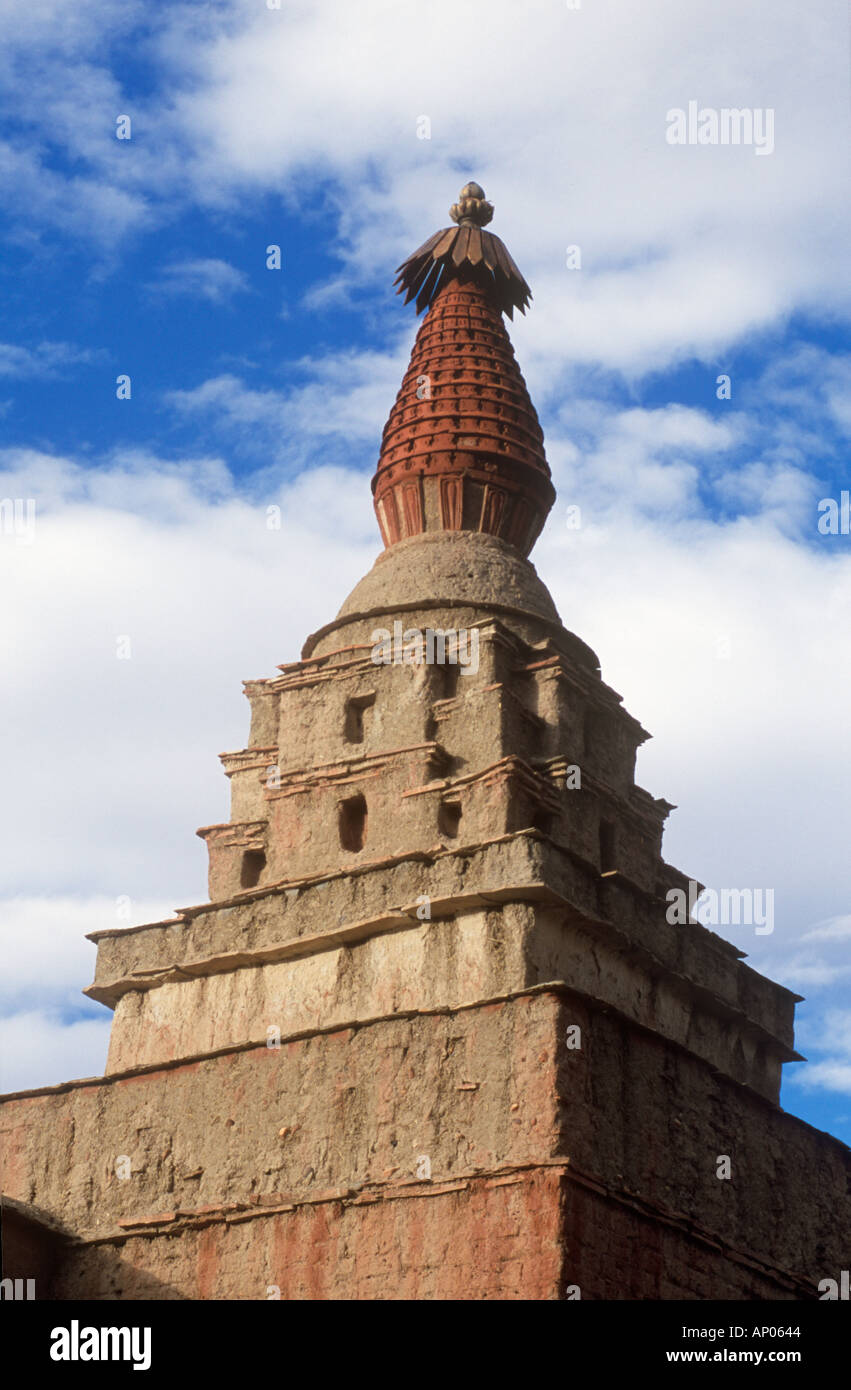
[473, 1091]
[647, 1121]
[297, 1167]
[480, 1239]
[614, 1251]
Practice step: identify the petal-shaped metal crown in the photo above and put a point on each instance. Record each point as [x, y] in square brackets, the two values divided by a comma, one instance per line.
[465, 252]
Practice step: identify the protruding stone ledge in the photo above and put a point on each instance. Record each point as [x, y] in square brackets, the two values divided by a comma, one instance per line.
[450, 958]
[271, 1206]
[282, 921]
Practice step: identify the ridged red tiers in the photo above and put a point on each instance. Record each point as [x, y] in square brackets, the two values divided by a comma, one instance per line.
[463, 449]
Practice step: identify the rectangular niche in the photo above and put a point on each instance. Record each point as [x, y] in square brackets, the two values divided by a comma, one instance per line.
[352, 823]
[449, 818]
[356, 717]
[253, 864]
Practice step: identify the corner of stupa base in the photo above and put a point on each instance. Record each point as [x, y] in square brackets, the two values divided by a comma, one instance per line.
[525, 1146]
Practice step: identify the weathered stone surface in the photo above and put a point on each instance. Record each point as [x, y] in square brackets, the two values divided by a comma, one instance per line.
[481, 1238]
[502, 917]
[618, 1249]
[357, 1106]
[648, 1121]
[451, 961]
[459, 576]
[317, 1141]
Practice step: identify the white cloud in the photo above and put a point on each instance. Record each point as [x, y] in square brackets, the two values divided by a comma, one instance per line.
[39, 1048]
[171, 557]
[685, 249]
[817, 959]
[49, 1031]
[46, 938]
[829, 1044]
[830, 1076]
[81, 205]
[208, 278]
[44, 360]
[836, 929]
[340, 401]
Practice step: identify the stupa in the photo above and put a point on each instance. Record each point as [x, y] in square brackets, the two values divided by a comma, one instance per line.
[434, 1035]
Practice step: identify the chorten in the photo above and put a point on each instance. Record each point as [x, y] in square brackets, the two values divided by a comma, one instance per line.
[434, 1035]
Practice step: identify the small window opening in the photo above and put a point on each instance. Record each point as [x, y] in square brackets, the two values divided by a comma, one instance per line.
[356, 717]
[607, 847]
[353, 823]
[449, 818]
[253, 864]
[543, 820]
[450, 680]
[596, 730]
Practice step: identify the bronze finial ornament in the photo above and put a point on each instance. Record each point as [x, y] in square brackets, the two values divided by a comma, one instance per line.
[472, 208]
[465, 252]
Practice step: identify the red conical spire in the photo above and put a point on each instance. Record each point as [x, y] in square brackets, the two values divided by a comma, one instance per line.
[463, 449]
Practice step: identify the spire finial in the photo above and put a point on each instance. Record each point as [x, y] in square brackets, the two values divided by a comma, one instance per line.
[472, 208]
[463, 449]
[465, 252]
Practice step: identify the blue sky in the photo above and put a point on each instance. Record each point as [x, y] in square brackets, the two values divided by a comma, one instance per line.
[699, 574]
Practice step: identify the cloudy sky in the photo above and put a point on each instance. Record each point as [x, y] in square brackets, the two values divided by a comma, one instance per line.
[140, 581]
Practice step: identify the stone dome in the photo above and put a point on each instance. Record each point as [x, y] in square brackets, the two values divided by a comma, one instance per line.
[465, 576]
